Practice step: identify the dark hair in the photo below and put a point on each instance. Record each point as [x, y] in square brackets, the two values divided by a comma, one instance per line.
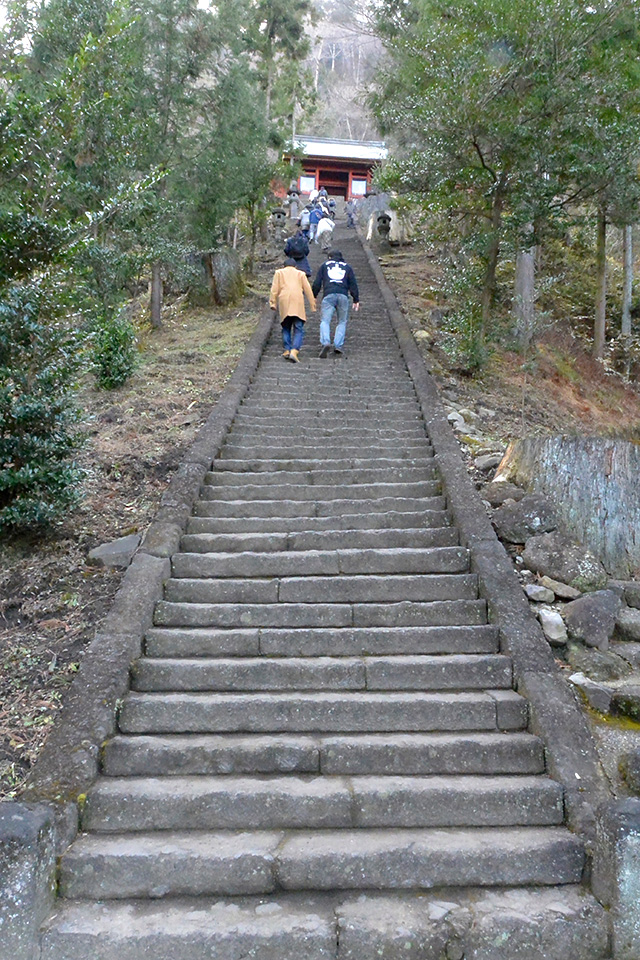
[289, 262]
[335, 255]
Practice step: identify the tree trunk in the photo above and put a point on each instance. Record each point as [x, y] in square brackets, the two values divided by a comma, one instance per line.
[489, 286]
[627, 282]
[524, 299]
[156, 296]
[601, 285]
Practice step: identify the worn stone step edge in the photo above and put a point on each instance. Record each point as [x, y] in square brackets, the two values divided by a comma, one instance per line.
[395, 754]
[357, 641]
[426, 673]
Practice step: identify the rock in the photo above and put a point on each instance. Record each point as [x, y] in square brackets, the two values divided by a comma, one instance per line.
[422, 335]
[540, 594]
[628, 623]
[629, 651]
[562, 590]
[489, 461]
[468, 415]
[597, 664]
[552, 626]
[596, 694]
[486, 412]
[554, 555]
[518, 521]
[500, 490]
[592, 619]
[632, 594]
[117, 553]
[454, 416]
[629, 767]
[227, 283]
[626, 702]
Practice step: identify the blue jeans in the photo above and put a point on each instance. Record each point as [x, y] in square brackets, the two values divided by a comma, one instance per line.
[297, 325]
[342, 305]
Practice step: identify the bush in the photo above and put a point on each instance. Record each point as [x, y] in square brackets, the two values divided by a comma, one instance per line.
[39, 362]
[114, 352]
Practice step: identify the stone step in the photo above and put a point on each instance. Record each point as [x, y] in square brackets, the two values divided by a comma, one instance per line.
[272, 509]
[180, 642]
[408, 754]
[119, 805]
[306, 562]
[320, 477]
[294, 492]
[271, 464]
[218, 863]
[331, 540]
[391, 520]
[341, 589]
[457, 672]
[402, 614]
[330, 712]
[533, 922]
[281, 434]
[295, 450]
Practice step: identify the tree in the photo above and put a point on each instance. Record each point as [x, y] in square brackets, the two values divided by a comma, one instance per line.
[503, 113]
[278, 35]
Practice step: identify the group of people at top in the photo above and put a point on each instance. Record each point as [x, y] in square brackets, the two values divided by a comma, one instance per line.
[335, 279]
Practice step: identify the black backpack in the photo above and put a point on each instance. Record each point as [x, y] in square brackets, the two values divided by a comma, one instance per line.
[297, 247]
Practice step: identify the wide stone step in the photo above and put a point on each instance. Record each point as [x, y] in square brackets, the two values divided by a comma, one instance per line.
[319, 562]
[552, 922]
[320, 477]
[402, 614]
[390, 520]
[298, 492]
[195, 929]
[117, 805]
[296, 450]
[276, 509]
[341, 589]
[302, 712]
[458, 672]
[271, 464]
[322, 430]
[319, 642]
[331, 540]
[408, 754]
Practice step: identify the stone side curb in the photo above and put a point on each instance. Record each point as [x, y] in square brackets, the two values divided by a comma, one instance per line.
[555, 714]
[69, 761]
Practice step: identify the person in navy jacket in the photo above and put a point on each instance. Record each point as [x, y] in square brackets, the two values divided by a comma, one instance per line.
[337, 281]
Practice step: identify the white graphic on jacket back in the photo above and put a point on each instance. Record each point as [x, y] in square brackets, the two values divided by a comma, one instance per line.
[336, 272]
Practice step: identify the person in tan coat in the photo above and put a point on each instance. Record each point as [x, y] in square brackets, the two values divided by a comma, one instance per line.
[288, 290]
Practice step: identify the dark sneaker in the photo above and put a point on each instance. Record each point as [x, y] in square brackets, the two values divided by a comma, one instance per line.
[324, 353]
[338, 352]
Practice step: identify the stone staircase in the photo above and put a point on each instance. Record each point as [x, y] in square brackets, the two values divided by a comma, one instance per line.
[322, 745]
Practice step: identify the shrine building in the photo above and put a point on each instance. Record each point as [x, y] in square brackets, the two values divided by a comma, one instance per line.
[343, 167]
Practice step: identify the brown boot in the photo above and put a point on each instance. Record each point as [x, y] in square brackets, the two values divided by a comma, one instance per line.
[286, 354]
[293, 356]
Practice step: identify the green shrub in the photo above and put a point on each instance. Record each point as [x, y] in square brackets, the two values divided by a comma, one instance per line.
[39, 361]
[115, 355]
